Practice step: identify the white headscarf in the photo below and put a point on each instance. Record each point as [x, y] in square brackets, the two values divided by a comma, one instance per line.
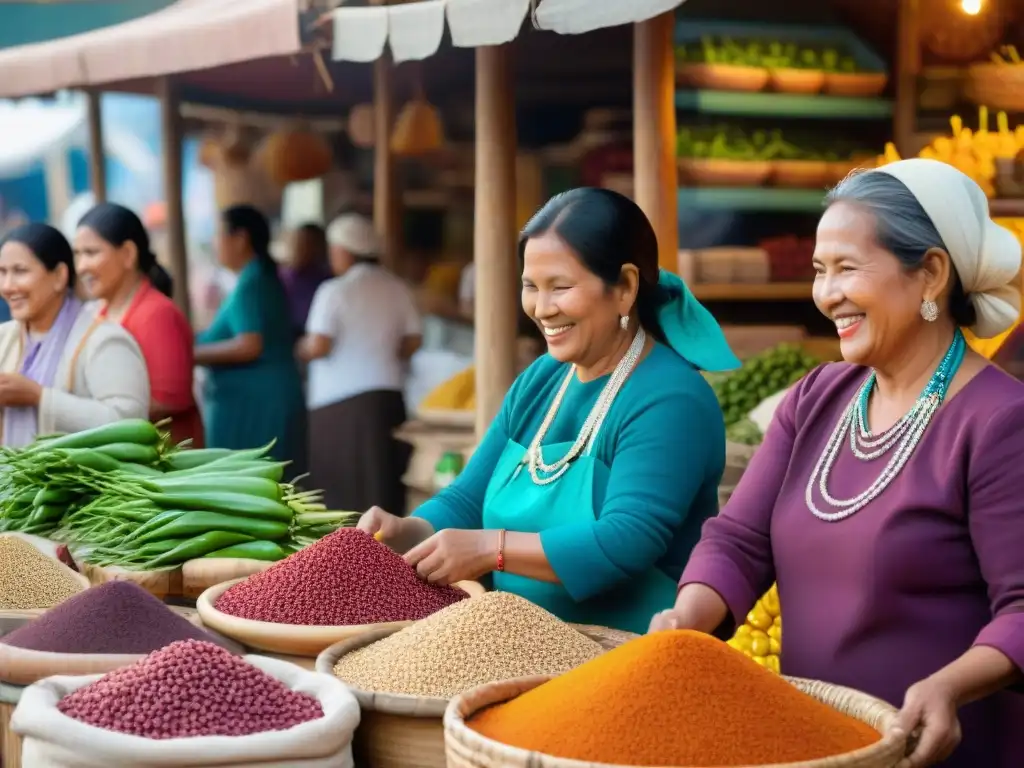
[986, 256]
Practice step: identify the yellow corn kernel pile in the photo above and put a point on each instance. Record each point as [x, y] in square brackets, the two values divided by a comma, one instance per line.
[761, 637]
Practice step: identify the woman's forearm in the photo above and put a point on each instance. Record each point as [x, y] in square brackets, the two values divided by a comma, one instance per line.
[524, 556]
[700, 608]
[980, 672]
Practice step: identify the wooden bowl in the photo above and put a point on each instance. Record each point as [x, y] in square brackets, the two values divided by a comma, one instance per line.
[723, 173]
[862, 84]
[791, 80]
[465, 748]
[800, 174]
[290, 639]
[723, 77]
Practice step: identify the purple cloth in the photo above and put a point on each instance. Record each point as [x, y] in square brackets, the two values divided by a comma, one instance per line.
[903, 587]
[40, 365]
[300, 286]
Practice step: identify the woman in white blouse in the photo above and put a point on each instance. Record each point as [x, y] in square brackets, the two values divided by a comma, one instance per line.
[62, 368]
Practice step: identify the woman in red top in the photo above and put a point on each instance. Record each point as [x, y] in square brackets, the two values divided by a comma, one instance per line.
[116, 266]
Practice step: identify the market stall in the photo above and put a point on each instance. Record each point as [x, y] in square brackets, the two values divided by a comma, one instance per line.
[402, 669]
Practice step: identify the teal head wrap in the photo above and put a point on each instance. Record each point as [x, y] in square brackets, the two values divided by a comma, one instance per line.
[691, 330]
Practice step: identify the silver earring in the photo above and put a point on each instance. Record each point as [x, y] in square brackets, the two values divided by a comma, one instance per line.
[624, 322]
[929, 310]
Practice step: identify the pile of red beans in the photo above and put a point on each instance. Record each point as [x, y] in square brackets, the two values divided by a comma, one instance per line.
[190, 688]
[345, 578]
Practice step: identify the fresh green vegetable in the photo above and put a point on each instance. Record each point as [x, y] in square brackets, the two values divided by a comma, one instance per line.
[138, 431]
[92, 459]
[192, 523]
[131, 453]
[760, 377]
[231, 503]
[200, 484]
[196, 547]
[197, 458]
[744, 432]
[253, 550]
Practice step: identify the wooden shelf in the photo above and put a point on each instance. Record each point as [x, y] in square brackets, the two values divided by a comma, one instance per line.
[783, 105]
[752, 291]
[1006, 209]
[751, 199]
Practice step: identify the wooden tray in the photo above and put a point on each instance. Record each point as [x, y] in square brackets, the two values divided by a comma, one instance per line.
[21, 666]
[199, 575]
[792, 80]
[856, 84]
[290, 639]
[723, 77]
[161, 584]
[713, 172]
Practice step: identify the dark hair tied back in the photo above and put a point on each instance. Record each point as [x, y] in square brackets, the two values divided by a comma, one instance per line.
[606, 230]
[119, 225]
[902, 227]
[48, 244]
[247, 219]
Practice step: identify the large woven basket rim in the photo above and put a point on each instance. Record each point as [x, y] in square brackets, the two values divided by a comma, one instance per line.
[454, 724]
[406, 704]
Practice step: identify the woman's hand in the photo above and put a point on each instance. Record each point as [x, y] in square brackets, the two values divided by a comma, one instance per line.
[455, 555]
[666, 620]
[18, 391]
[399, 533]
[929, 716]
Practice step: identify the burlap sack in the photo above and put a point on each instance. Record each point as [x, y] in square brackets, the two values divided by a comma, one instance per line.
[52, 740]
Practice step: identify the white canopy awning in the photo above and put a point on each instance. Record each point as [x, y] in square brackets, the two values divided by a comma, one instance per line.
[414, 31]
[185, 36]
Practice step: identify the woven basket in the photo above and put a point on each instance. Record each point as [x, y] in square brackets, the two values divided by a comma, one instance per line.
[466, 748]
[402, 731]
[10, 742]
[996, 86]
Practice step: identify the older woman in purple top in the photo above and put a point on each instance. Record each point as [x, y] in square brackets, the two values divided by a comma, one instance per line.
[884, 499]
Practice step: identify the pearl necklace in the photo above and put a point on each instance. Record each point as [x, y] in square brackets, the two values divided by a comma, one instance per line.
[542, 473]
[904, 436]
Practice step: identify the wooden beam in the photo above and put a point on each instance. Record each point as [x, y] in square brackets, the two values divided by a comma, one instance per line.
[97, 153]
[387, 211]
[654, 133]
[908, 66]
[171, 139]
[494, 233]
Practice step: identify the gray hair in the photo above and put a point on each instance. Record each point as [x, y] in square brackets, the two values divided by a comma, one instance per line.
[902, 227]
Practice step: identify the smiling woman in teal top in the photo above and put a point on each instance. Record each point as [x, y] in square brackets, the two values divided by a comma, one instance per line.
[590, 487]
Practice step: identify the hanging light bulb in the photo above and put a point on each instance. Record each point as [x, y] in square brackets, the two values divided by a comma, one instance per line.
[971, 7]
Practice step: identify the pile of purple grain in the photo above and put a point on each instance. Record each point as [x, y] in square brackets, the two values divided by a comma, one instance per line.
[114, 618]
[187, 690]
[345, 578]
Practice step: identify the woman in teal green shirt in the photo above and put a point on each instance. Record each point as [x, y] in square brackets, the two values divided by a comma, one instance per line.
[253, 393]
[590, 487]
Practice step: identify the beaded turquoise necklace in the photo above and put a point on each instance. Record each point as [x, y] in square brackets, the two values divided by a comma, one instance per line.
[903, 436]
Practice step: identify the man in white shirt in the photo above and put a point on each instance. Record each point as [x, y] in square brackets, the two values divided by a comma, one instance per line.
[363, 327]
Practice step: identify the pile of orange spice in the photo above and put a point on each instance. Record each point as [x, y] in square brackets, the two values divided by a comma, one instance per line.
[675, 698]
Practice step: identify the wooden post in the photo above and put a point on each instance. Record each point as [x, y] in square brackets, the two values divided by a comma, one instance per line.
[97, 155]
[656, 179]
[494, 232]
[386, 202]
[908, 66]
[171, 139]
